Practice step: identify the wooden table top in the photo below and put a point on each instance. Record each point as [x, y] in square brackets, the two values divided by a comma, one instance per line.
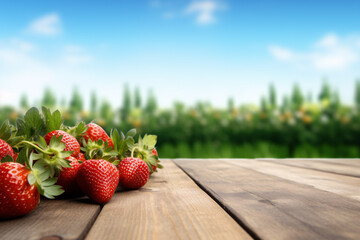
[213, 199]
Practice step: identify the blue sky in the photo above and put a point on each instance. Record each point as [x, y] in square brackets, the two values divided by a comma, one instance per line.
[184, 50]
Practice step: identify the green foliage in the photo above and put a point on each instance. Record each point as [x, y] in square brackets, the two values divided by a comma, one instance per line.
[297, 97]
[49, 99]
[93, 105]
[126, 106]
[357, 94]
[272, 96]
[24, 102]
[294, 128]
[76, 103]
[137, 98]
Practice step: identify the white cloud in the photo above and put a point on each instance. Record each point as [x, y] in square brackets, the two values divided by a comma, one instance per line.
[281, 53]
[23, 45]
[331, 52]
[48, 25]
[25, 68]
[204, 11]
[20, 72]
[74, 54]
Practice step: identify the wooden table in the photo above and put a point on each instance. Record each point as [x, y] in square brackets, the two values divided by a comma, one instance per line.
[213, 199]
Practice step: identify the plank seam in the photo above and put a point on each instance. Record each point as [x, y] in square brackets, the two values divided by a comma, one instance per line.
[319, 170]
[226, 209]
[90, 224]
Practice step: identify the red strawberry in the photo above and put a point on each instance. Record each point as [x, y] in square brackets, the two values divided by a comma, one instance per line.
[5, 149]
[17, 196]
[98, 179]
[95, 133]
[67, 177]
[154, 166]
[134, 173]
[71, 144]
[81, 157]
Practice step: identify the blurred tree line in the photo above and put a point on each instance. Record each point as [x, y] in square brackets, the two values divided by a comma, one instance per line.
[296, 126]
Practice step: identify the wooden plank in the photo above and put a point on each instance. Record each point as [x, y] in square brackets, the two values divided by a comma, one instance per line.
[341, 161]
[275, 208]
[338, 161]
[340, 184]
[53, 219]
[325, 166]
[169, 206]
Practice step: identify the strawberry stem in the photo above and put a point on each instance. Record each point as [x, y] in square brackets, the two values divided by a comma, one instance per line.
[133, 150]
[35, 146]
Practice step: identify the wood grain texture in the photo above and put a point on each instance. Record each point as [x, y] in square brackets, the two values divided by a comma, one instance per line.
[340, 184]
[275, 208]
[59, 219]
[345, 167]
[169, 206]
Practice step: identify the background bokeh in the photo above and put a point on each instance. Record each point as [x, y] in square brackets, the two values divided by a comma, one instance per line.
[210, 78]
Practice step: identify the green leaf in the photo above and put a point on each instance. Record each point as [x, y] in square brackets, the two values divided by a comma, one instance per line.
[78, 130]
[115, 137]
[149, 141]
[49, 182]
[13, 141]
[53, 121]
[130, 143]
[44, 175]
[5, 130]
[41, 142]
[131, 133]
[35, 125]
[22, 157]
[41, 166]
[31, 159]
[152, 160]
[122, 136]
[52, 191]
[21, 127]
[7, 158]
[31, 179]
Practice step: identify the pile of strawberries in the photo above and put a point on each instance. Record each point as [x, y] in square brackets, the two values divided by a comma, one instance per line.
[41, 156]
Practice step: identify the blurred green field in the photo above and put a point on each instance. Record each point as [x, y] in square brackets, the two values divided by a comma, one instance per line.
[298, 127]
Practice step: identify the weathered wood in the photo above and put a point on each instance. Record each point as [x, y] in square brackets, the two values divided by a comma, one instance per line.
[340, 184]
[337, 161]
[325, 166]
[169, 206]
[53, 219]
[276, 208]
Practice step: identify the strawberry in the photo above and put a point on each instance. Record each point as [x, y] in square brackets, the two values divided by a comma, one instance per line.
[134, 173]
[67, 177]
[145, 150]
[98, 179]
[17, 196]
[81, 157]
[71, 144]
[21, 186]
[6, 149]
[154, 151]
[95, 133]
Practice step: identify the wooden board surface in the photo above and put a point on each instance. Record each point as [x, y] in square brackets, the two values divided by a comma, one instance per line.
[339, 167]
[169, 206]
[344, 185]
[53, 219]
[276, 208]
